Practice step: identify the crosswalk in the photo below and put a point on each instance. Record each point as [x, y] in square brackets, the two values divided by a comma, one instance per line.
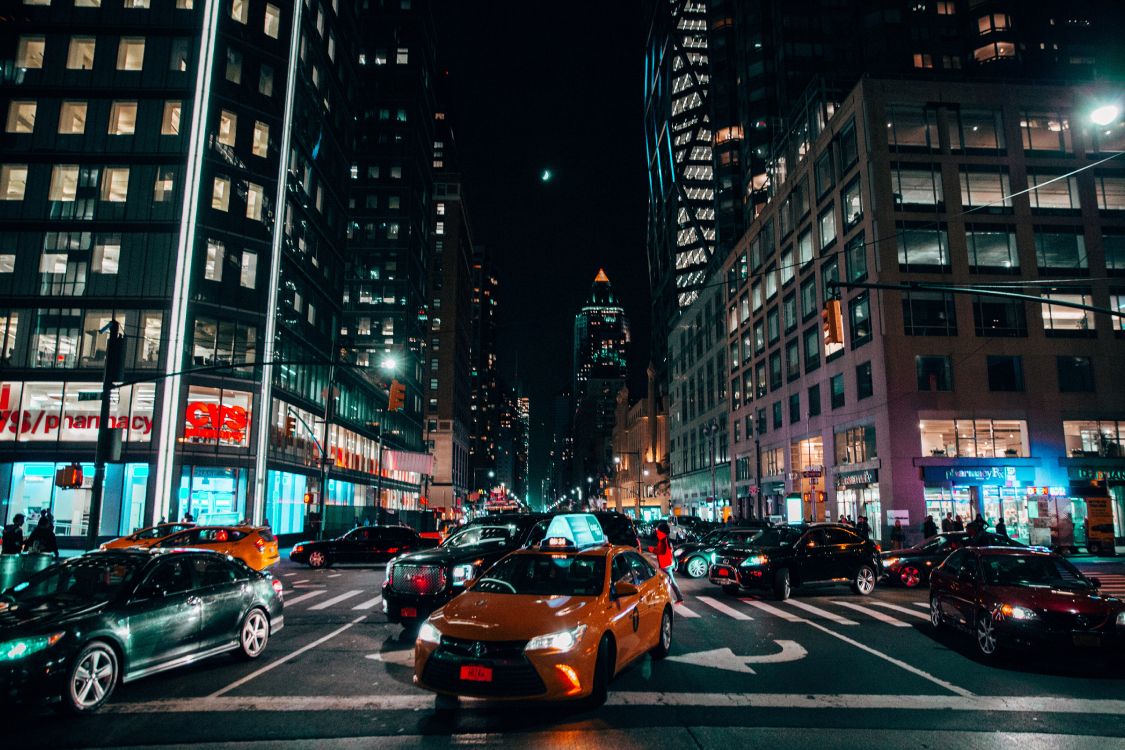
[1112, 583]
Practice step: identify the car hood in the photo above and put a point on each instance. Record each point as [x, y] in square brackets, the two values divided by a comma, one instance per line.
[510, 617]
[1059, 600]
[41, 613]
[745, 550]
[454, 555]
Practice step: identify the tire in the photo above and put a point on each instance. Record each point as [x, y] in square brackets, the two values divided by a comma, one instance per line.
[253, 634]
[599, 692]
[664, 642]
[984, 636]
[910, 576]
[696, 567]
[92, 677]
[731, 589]
[318, 559]
[1094, 548]
[937, 620]
[864, 581]
[782, 587]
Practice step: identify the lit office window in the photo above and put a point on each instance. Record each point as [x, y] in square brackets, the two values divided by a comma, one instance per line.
[72, 118]
[13, 181]
[52, 263]
[136, 3]
[254, 199]
[37, 2]
[170, 123]
[122, 118]
[21, 117]
[29, 52]
[184, 4]
[87, 3]
[228, 123]
[64, 182]
[115, 184]
[402, 56]
[234, 66]
[240, 10]
[131, 53]
[213, 266]
[165, 184]
[107, 255]
[220, 194]
[80, 53]
[260, 146]
[273, 21]
[249, 273]
[7, 265]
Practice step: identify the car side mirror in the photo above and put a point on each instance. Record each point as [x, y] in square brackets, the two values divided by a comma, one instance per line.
[622, 589]
[1095, 582]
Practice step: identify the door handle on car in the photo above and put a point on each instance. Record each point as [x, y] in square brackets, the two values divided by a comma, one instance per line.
[194, 601]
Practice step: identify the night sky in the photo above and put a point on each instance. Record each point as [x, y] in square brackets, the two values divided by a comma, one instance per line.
[556, 86]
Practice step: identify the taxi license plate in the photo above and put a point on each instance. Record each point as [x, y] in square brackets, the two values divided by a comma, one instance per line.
[408, 612]
[722, 573]
[476, 673]
[1084, 640]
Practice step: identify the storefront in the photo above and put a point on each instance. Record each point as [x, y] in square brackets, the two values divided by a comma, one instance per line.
[857, 494]
[994, 492]
[1108, 477]
[31, 490]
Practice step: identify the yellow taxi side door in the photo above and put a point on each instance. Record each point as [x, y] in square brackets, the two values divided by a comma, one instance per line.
[624, 611]
[653, 598]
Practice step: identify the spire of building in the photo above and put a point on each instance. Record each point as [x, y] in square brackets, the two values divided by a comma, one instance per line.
[601, 278]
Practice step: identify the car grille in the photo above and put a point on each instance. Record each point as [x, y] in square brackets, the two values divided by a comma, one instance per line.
[418, 579]
[482, 649]
[511, 676]
[1066, 622]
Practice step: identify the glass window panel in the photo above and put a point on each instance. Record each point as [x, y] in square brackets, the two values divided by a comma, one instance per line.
[922, 248]
[220, 194]
[991, 249]
[1060, 250]
[29, 52]
[64, 182]
[72, 118]
[228, 125]
[115, 184]
[261, 139]
[980, 189]
[13, 181]
[122, 118]
[978, 129]
[272, 21]
[131, 53]
[21, 117]
[255, 196]
[916, 187]
[80, 53]
[213, 266]
[249, 275]
[1048, 131]
[1067, 319]
[170, 123]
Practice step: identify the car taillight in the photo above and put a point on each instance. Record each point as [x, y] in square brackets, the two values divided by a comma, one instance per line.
[261, 548]
[878, 548]
[277, 587]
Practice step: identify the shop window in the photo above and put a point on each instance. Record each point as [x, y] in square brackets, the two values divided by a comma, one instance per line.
[220, 194]
[992, 249]
[228, 125]
[859, 320]
[836, 386]
[1060, 251]
[974, 438]
[64, 182]
[1048, 131]
[977, 129]
[122, 118]
[1067, 321]
[1052, 191]
[1095, 438]
[72, 118]
[911, 127]
[115, 184]
[934, 373]
[29, 52]
[13, 181]
[1005, 373]
[131, 53]
[985, 189]
[852, 202]
[1110, 192]
[916, 188]
[864, 384]
[995, 316]
[923, 249]
[80, 53]
[260, 145]
[1076, 374]
[170, 122]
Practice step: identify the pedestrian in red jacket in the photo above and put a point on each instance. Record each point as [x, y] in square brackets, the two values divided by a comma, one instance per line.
[665, 559]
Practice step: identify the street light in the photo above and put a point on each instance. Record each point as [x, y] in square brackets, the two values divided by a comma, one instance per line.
[1106, 114]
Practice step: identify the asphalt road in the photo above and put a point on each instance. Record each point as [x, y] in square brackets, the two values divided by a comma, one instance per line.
[856, 671]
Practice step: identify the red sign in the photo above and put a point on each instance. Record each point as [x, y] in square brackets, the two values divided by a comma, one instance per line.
[215, 422]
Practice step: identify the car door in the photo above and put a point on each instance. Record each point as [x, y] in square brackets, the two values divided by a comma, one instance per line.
[653, 595]
[397, 541]
[351, 547]
[950, 590]
[842, 551]
[964, 590]
[809, 559]
[625, 614]
[223, 597]
[163, 615]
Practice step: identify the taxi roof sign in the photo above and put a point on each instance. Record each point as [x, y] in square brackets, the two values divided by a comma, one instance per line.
[573, 531]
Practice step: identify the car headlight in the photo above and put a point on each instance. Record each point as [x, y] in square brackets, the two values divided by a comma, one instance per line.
[1016, 612]
[755, 560]
[428, 633]
[890, 562]
[21, 647]
[564, 640]
[677, 552]
[463, 573]
[1121, 619]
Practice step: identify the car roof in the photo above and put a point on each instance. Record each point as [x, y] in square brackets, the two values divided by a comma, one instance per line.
[995, 551]
[593, 551]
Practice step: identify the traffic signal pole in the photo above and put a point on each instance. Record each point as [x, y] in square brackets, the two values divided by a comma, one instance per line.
[109, 441]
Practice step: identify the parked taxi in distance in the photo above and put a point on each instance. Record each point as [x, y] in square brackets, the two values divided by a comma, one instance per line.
[254, 545]
[552, 622]
[148, 536]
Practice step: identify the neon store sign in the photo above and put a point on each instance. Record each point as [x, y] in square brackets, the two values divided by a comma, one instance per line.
[214, 422]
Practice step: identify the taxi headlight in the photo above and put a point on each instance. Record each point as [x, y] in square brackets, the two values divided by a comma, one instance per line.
[21, 647]
[564, 640]
[463, 573]
[755, 560]
[429, 634]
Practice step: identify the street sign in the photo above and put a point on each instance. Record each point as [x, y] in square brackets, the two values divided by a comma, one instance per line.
[89, 395]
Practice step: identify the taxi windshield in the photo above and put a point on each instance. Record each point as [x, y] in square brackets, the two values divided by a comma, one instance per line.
[545, 575]
[496, 535]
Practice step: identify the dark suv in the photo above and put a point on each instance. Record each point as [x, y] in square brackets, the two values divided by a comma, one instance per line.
[785, 556]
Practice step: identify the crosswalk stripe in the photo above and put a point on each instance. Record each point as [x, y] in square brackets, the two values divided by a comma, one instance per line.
[298, 583]
[769, 609]
[923, 605]
[369, 603]
[729, 611]
[838, 619]
[904, 610]
[337, 599]
[302, 597]
[288, 575]
[875, 614]
[683, 611]
[335, 575]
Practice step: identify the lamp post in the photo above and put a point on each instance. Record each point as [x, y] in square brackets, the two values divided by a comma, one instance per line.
[388, 365]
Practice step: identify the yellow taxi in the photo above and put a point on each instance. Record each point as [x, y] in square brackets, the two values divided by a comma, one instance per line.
[148, 536]
[254, 545]
[552, 622]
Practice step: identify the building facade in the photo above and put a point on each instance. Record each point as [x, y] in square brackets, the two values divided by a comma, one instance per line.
[639, 484]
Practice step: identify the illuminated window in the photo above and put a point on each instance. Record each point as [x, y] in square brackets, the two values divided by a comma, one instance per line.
[946, 8]
[1061, 320]
[13, 181]
[916, 187]
[7, 265]
[228, 124]
[273, 21]
[87, 3]
[1110, 192]
[248, 277]
[184, 4]
[131, 53]
[21, 117]
[240, 10]
[981, 189]
[260, 146]
[165, 184]
[402, 56]
[1052, 191]
[213, 265]
[220, 194]
[115, 184]
[64, 182]
[80, 54]
[234, 66]
[994, 51]
[254, 198]
[72, 118]
[107, 255]
[993, 22]
[1045, 132]
[122, 118]
[29, 52]
[923, 61]
[170, 123]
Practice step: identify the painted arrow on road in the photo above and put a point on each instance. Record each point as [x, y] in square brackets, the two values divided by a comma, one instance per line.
[398, 658]
[724, 658]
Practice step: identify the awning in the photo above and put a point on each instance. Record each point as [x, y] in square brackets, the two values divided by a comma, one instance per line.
[418, 463]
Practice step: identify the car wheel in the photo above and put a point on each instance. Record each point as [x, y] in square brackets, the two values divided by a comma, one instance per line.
[985, 632]
[1094, 548]
[92, 678]
[910, 576]
[254, 634]
[696, 567]
[781, 585]
[599, 692]
[936, 619]
[730, 589]
[664, 644]
[864, 581]
[318, 559]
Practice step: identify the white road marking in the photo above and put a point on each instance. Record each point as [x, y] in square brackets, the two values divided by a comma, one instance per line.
[838, 619]
[724, 658]
[774, 610]
[369, 603]
[302, 597]
[799, 701]
[399, 658]
[904, 610]
[242, 681]
[335, 575]
[729, 611]
[336, 599]
[298, 583]
[875, 614]
[288, 575]
[923, 605]
[682, 611]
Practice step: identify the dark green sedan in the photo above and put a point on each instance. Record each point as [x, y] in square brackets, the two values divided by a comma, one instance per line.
[77, 629]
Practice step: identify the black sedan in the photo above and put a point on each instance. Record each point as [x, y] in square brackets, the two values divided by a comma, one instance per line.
[911, 567]
[77, 629]
[419, 582]
[693, 559]
[366, 544]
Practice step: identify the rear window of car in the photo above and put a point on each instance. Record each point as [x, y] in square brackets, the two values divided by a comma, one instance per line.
[618, 529]
[267, 535]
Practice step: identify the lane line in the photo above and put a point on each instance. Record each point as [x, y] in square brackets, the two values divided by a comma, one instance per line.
[370, 603]
[303, 580]
[336, 599]
[335, 575]
[923, 605]
[729, 611]
[302, 597]
[774, 610]
[680, 610]
[288, 575]
[242, 681]
[904, 610]
[838, 619]
[874, 614]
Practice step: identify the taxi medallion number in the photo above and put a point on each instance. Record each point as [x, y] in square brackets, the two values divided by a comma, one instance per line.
[476, 673]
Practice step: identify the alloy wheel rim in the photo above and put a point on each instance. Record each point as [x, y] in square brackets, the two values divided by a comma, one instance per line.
[695, 568]
[666, 631]
[865, 581]
[986, 638]
[935, 613]
[316, 559]
[93, 678]
[254, 633]
[911, 577]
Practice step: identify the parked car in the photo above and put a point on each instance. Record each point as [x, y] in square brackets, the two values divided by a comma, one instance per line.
[366, 544]
[911, 567]
[781, 557]
[79, 628]
[255, 546]
[1007, 597]
[417, 583]
[694, 559]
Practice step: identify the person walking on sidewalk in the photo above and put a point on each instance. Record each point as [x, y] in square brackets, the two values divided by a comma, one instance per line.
[897, 535]
[42, 538]
[929, 528]
[665, 559]
[13, 536]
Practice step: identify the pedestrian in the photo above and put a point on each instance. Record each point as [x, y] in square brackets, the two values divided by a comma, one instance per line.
[947, 523]
[958, 524]
[1001, 527]
[863, 528]
[13, 536]
[980, 522]
[665, 559]
[897, 535]
[42, 538]
[188, 518]
[929, 528]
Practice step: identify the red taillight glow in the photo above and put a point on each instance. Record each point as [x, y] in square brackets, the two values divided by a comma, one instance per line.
[261, 546]
[277, 587]
[571, 678]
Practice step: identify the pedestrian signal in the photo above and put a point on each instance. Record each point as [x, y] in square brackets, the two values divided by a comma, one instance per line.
[396, 397]
[69, 477]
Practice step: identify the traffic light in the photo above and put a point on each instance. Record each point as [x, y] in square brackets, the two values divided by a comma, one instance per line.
[833, 322]
[396, 397]
[69, 477]
[290, 427]
[309, 498]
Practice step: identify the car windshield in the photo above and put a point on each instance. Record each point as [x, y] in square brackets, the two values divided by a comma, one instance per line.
[774, 537]
[545, 575]
[1030, 570]
[91, 578]
[496, 535]
[156, 532]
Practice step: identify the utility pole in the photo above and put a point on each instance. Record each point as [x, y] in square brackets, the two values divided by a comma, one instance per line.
[109, 441]
[329, 400]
